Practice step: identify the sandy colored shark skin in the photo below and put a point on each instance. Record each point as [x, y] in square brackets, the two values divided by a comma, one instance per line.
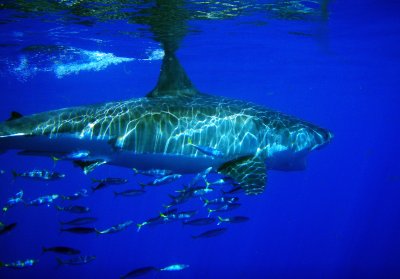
[153, 133]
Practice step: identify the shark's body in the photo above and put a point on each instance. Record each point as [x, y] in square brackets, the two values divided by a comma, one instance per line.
[153, 133]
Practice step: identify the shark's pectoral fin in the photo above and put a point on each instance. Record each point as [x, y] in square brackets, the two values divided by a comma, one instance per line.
[249, 171]
[89, 166]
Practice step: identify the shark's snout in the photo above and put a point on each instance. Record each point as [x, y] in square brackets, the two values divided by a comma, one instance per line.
[308, 137]
[322, 137]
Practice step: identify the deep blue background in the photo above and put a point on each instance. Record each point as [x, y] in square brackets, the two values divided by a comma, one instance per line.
[337, 219]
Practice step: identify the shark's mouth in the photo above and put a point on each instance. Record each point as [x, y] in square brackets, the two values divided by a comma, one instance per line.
[322, 138]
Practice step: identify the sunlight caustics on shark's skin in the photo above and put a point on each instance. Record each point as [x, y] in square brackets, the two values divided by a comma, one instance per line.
[153, 132]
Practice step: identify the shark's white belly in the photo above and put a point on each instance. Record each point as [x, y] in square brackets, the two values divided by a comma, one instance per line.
[176, 163]
[102, 150]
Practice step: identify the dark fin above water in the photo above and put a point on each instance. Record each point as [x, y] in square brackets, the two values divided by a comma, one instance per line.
[250, 172]
[173, 80]
[14, 115]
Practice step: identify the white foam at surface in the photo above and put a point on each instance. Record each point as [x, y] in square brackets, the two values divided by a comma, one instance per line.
[25, 67]
[96, 61]
[157, 54]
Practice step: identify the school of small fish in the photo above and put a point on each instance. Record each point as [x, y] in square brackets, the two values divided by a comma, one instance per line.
[198, 188]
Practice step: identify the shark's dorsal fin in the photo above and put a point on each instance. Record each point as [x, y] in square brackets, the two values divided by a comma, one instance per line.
[14, 115]
[248, 171]
[173, 80]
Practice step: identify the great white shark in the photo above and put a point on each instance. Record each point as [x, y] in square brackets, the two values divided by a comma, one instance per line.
[154, 132]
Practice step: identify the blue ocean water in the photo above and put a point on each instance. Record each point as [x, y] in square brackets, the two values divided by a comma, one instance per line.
[337, 219]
